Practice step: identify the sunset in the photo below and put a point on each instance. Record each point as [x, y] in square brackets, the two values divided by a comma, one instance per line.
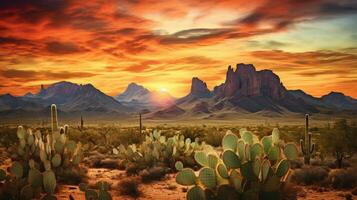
[311, 45]
[178, 100]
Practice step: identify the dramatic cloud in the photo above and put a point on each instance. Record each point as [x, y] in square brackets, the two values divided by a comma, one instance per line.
[155, 41]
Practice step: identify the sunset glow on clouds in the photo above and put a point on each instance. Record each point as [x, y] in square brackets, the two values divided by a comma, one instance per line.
[310, 44]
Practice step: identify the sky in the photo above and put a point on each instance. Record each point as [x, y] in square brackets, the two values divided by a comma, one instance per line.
[310, 44]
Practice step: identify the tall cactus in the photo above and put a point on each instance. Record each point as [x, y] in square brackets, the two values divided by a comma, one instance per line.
[140, 124]
[82, 122]
[54, 121]
[307, 147]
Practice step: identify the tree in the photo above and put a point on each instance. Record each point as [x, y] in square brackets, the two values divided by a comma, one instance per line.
[340, 140]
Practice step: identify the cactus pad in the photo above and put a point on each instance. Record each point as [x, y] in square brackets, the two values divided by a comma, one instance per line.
[71, 146]
[241, 149]
[201, 158]
[20, 132]
[56, 160]
[274, 153]
[256, 150]
[275, 136]
[236, 180]
[49, 182]
[231, 159]
[230, 141]
[186, 177]
[256, 167]
[179, 165]
[283, 168]
[222, 170]
[291, 151]
[267, 143]
[35, 178]
[17, 169]
[195, 193]
[207, 177]
[247, 137]
[265, 169]
[226, 192]
[212, 161]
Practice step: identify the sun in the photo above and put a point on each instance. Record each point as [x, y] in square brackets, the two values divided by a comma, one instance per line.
[163, 89]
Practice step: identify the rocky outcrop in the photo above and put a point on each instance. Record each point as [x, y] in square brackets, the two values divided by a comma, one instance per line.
[199, 88]
[245, 81]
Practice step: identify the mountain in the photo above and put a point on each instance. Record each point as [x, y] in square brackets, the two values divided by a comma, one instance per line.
[339, 101]
[69, 97]
[198, 90]
[172, 111]
[244, 90]
[138, 97]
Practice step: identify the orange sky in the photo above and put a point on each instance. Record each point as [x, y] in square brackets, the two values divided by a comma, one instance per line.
[311, 45]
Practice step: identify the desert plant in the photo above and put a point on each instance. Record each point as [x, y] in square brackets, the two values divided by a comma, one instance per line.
[130, 187]
[307, 148]
[158, 150]
[247, 168]
[99, 192]
[309, 175]
[41, 160]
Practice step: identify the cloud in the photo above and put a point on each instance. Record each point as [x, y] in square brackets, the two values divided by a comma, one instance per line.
[63, 48]
[32, 75]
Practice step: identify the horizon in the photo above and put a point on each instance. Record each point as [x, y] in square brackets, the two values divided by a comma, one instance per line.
[312, 45]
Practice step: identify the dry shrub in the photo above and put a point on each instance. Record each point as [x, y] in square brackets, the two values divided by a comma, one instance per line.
[130, 187]
[343, 178]
[309, 175]
[153, 174]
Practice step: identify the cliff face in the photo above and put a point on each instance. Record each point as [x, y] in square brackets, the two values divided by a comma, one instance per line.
[245, 81]
[199, 88]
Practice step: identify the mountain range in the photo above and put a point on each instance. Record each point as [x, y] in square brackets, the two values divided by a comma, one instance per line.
[245, 90]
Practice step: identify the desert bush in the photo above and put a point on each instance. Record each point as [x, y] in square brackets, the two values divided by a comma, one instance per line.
[153, 174]
[247, 168]
[130, 187]
[7, 136]
[343, 178]
[309, 175]
[214, 137]
[99, 191]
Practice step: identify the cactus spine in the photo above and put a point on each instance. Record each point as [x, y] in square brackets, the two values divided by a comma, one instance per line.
[54, 121]
[307, 147]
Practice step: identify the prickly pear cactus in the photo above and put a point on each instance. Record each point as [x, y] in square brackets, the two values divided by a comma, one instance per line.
[159, 149]
[100, 192]
[247, 168]
[35, 152]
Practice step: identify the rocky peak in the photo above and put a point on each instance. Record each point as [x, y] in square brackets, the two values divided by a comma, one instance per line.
[199, 88]
[245, 81]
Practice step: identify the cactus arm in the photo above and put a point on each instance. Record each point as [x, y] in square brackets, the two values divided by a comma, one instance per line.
[312, 148]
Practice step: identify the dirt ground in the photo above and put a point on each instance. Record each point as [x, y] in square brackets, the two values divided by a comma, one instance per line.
[169, 190]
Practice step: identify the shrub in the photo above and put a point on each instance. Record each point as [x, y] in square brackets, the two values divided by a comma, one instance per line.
[130, 187]
[153, 174]
[343, 178]
[309, 175]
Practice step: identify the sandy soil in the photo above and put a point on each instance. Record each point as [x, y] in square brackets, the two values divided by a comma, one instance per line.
[169, 190]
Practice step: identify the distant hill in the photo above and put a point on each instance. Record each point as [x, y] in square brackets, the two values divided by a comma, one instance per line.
[244, 91]
[138, 97]
[68, 96]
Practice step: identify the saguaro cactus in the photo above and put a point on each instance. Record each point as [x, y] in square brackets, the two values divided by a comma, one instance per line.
[82, 122]
[307, 147]
[54, 121]
[140, 124]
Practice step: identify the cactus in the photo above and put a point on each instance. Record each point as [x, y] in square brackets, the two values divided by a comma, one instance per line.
[140, 124]
[34, 155]
[100, 192]
[307, 148]
[247, 169]
[54, 122]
